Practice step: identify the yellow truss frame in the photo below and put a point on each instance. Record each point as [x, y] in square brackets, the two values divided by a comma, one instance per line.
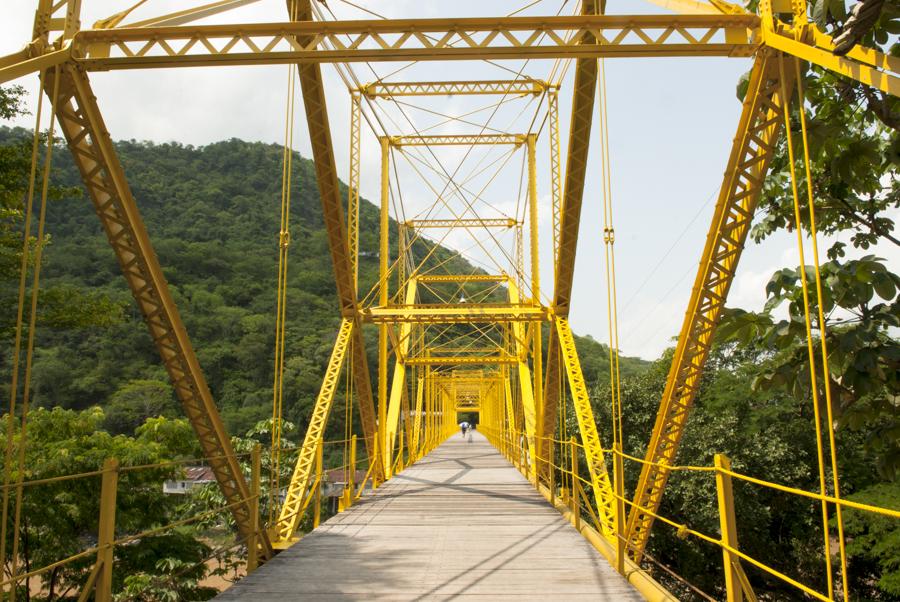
[498, 222]
[458, 140]
[511, 87]
[58, 41]
[291, 510]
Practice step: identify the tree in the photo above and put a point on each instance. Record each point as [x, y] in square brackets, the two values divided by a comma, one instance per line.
[854, 145]
[59, 518]
[861, 305]
[63, 306]
[137, 401]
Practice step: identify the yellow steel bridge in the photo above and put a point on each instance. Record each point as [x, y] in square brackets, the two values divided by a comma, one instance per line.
[494, 342]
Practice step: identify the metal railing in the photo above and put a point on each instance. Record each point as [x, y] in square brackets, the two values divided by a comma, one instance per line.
[563, 486]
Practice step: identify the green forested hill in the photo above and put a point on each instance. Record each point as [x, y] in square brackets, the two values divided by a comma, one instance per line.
[213, 214]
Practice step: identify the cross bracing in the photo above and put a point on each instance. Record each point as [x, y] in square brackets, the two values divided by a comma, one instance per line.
[450, 341]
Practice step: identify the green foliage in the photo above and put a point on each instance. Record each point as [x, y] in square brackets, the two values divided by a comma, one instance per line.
[212, 213]
[853, 143]
[766, 434]
[171, 579]
[861, 305]
[59, 518]
[137, 401]
[875, 539]
[829, 15]
[854, 149]
[64, 305]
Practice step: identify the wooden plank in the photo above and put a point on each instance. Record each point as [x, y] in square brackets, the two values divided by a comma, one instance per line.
[462, 522]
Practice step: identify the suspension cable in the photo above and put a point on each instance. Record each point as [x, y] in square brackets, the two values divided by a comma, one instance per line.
[609, 238]
[32, 321]
[826, 382]
[284, 241]
[17, 346]
[809, 337]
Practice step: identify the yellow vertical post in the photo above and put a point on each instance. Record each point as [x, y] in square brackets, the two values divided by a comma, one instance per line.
[353, 186]
[401, 255]
[432, 397]
[426, 429]
[252, 544]
[317, 510]
[106, 532]
[351, 474]
[573, 496]
[415, 441]
[555, 171]
[728, 526]
[552, 479]
[536, 341]
[619, 479]
[400, 450]
[383, 294]
[520, 257]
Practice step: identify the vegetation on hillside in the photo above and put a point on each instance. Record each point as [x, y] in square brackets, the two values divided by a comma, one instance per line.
[755, 404]
[212, 212]
[98, 388]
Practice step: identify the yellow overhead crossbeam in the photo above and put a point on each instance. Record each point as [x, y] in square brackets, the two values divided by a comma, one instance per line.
[732, 33]
[462, 278]
[500, 222]
[458, 140]
[513, 87]
[449, 360]
[478, 350]
[548, 37]
[462, 313]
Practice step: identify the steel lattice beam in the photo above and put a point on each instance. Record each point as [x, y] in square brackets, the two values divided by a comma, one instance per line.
[292, 510]
[514, 87]
[353, 187]
[758, 131]
[587, 426]
[458, 140]
[548, 37]
[569, 221]
[452, 360]
[498, 222]
[462, 278]
[579, 36]
[314, 102]
[101, 172]
[461, 313]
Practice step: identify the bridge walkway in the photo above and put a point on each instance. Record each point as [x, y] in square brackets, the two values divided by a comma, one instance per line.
[460, 523]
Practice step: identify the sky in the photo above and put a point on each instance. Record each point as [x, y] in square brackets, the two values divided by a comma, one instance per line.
[671, 125]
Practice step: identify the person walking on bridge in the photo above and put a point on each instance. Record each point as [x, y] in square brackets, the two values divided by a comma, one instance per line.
[464, 426]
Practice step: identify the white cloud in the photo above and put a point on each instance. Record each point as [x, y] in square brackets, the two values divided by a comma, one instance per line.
[671, 125]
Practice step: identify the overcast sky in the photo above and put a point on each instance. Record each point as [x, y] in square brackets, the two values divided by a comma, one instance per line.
[671, 120]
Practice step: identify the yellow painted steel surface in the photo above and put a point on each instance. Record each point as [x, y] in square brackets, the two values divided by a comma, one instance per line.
[470, 88]
[758, 131]
[290, 515]
[453, 355]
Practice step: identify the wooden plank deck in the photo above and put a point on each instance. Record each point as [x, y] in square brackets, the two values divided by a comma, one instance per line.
[460, 523]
